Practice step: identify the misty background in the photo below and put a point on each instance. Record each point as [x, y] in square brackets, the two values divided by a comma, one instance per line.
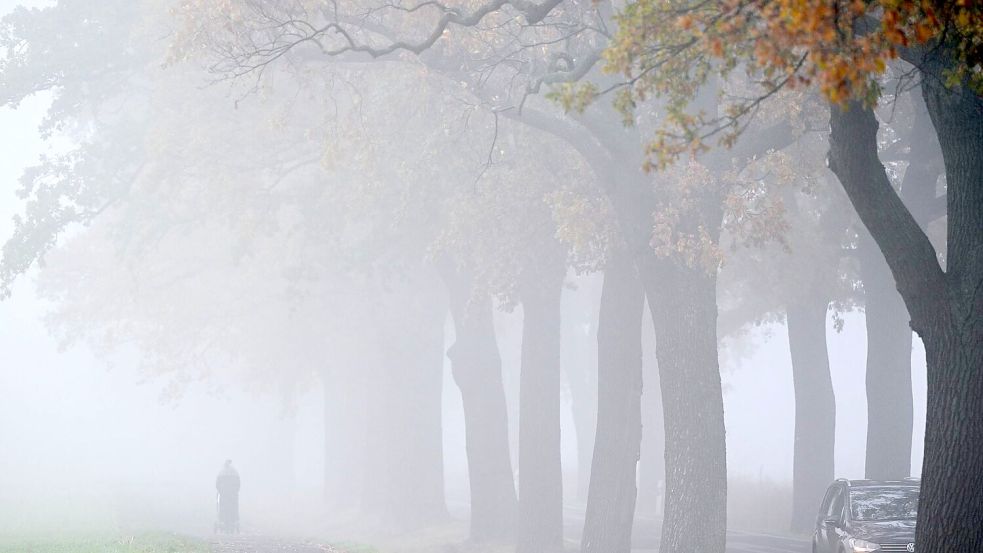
[107, 436]
[263, 284]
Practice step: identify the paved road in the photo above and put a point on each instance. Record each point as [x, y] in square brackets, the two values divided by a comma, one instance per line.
[646, 540]
[741, 542]
[737, 543]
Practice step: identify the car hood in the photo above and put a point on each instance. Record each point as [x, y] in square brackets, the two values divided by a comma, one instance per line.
[885, 530]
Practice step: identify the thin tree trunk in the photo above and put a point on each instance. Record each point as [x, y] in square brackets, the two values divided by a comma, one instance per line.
[477, 369]
[612, 493]
[682, 301]
[685, 317]
[815, 410]
[540, 473]
[890, 406]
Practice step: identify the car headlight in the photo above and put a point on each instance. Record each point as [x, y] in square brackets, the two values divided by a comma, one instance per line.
[862, 546]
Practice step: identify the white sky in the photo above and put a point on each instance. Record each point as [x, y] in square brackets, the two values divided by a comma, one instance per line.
[78, 435]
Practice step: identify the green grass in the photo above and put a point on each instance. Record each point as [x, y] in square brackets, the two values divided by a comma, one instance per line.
[144, 543]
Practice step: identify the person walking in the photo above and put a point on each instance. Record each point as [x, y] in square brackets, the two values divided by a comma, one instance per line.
[227, 485]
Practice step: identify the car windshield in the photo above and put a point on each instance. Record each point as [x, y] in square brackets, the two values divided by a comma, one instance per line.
[883, 503]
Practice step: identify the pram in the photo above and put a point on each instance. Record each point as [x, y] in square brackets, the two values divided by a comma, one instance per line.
[226, 516]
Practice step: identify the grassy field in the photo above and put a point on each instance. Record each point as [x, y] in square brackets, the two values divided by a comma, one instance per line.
[145, 543]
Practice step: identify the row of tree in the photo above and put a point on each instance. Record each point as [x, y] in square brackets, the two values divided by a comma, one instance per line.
[310, 167]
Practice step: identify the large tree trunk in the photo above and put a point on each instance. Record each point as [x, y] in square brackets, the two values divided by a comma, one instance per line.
[683, 304]
[890, 407]
[540, 473]
[477, 369]
[682, 301]
[815, 410]
[946, 307]
[685, 317]
[611, 497]
[951, 506]
[950, 509]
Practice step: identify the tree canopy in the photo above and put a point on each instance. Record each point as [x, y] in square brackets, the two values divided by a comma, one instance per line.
[672, 49]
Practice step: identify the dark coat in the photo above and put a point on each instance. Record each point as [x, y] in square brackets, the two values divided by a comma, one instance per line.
[227, 484]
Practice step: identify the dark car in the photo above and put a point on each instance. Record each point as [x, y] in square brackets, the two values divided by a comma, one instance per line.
[860, 516]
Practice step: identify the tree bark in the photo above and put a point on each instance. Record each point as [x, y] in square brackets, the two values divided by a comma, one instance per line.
[612, 491]
[683, 305]
[946, 307]
[890, 406]
[477, 369]
[951, 504]
[682, 301]
[685, 317]
[815, 410]
[540, 473]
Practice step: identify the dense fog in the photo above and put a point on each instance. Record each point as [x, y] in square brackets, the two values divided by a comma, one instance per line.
[489, 276]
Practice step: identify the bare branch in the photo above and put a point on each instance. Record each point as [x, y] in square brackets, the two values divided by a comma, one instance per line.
[335, 38]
